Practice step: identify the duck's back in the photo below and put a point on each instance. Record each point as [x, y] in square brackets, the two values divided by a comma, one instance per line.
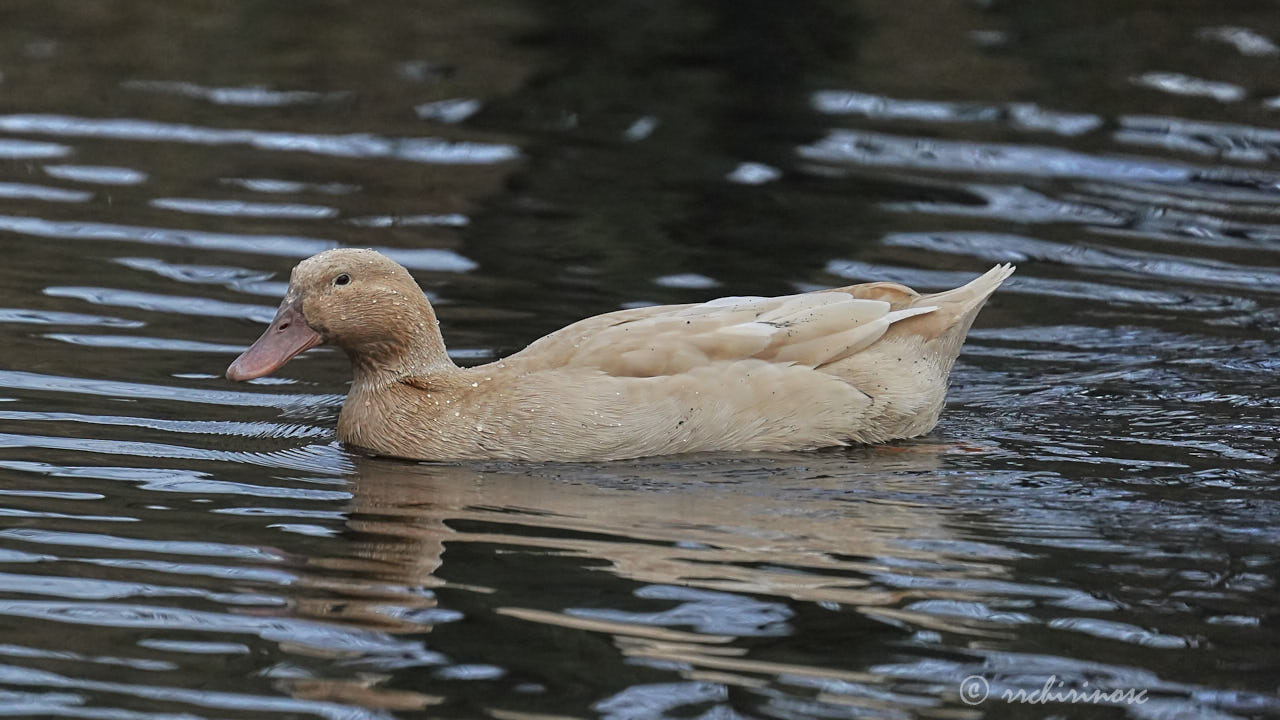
[817, 330]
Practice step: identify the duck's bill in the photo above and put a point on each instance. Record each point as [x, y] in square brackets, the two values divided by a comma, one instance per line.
[287, 336]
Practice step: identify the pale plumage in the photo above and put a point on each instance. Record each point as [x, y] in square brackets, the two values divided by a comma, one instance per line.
[865, 363]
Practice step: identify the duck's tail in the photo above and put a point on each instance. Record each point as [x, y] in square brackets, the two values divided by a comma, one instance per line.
[944, 330]
[906, 371]
[975, 292]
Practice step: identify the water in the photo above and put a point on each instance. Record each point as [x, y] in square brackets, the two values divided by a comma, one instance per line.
[1099, 504]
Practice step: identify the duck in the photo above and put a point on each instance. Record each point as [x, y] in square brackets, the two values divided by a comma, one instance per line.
[861, 364]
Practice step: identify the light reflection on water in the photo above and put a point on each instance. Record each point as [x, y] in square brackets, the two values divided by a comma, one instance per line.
[426, 150]
[1098, 505]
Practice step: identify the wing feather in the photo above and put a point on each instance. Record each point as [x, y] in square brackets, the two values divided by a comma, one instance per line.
[811, 329]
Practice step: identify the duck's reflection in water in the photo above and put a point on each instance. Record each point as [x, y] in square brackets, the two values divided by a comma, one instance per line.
[687, 564]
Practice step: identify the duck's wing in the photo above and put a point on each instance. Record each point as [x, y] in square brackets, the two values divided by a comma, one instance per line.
[812, 329]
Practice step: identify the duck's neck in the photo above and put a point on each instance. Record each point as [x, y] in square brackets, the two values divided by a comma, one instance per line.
[412, 347]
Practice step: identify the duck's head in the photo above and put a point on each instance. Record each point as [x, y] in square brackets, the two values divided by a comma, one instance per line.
[358, 300]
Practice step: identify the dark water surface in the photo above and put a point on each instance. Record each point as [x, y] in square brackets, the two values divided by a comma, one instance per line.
[1100, 506]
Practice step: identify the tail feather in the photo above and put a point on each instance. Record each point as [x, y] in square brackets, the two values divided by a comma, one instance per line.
[973, 294]
[945, 329]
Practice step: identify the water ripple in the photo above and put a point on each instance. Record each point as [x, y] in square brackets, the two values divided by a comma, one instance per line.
[1120, 631]
[163, 547]
[96, 174]
[229, 573]
[241, 208]
[30, 150]
[1027, 116]
[203, 427]
[98, 589]
[382, 221]
[308, 459]
[218, 700]
[870, 149]
[1180, 84]
[287, 246]
[1203, 137]
[1245, 40]
[253, 282]
[705, 611]
[119, 389]
[201, 307]
[324, 636]
[133, 342]
[244, 96]
[26, 191]
[277, 186]
[36, 316]
[356, 145]
[1015, 248]
[1183, 302]
[1014, 202]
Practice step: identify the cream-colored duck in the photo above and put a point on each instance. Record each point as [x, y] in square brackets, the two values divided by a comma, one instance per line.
[860, 364]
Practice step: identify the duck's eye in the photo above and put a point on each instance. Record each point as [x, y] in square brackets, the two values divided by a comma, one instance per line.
[342, 279]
